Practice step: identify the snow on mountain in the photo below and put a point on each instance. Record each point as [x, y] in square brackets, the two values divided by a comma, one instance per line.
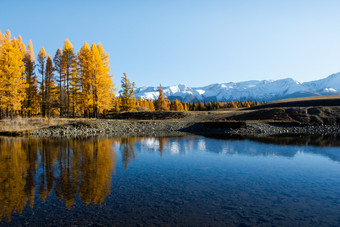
[264, 90]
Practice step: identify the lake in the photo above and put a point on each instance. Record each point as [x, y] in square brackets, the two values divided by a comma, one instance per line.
[172, 181]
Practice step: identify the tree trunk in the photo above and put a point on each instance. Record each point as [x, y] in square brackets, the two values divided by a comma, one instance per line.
[67, 93]
[60, 98]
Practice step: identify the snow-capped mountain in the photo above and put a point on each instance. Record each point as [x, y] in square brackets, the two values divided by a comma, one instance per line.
[264, 90]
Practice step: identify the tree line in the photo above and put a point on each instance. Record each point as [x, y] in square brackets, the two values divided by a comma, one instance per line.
[67, 85]
[73, 84]
[127, 102]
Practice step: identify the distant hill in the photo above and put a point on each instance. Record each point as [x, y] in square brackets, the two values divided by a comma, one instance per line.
[264, 90]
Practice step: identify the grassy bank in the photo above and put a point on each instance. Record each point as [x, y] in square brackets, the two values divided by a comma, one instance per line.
[20, 125]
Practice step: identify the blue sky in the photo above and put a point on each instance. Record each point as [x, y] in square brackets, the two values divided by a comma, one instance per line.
[193, 42]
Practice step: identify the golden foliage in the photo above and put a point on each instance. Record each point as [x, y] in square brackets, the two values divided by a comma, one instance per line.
[12, 77]
[161, 103]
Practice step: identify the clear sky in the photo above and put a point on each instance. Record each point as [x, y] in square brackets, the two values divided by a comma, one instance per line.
[195, 42]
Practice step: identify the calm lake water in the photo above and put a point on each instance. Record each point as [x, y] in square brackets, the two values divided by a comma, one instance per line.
[175, 181]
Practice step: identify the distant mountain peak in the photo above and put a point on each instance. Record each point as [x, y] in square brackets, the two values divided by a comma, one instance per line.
[259, 90]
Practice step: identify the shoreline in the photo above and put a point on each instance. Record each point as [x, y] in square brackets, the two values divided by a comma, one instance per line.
[308, 116]
[124, 128]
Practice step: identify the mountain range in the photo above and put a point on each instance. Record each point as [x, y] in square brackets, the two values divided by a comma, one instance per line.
[253, 90]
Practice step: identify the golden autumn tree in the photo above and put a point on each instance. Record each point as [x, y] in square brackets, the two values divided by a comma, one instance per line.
[86, 80]
[68, 59]
[85, 85]
[21, 46]
[75, 90]
[127, 94]
[95, 82]
[161, 103]
[41, 69]
[96, 70]
[31, 103]
[57, 60]
[50, 87]
[12, 77]
[151, 105]
[176, 106]
[104, 82]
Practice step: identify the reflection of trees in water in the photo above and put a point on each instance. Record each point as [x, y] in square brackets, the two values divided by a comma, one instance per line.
[30, 150]
[71, 166]
[13, 172]
[162, 142]
[95, 167]
[85, 167]
[48, 154]
[127, 147]
[65, 187]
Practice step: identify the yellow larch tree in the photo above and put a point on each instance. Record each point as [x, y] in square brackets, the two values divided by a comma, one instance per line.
[104, 82]
[75, 90]
[96, 85]
[151, 106]
[176, 106]
[21, 46]
[31, 80]
[68, 59]
[96, 70]
[50, 87]
[161, 103]
[86, 84]
[57, 60]
[41, 69]
[12, 77]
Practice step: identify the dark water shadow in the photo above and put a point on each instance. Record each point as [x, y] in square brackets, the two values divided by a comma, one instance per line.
[329, 140]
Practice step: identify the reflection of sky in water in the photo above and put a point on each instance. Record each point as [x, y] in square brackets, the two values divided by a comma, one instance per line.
[201, 145]
[174, 147]
[234, 147]
[168, 181]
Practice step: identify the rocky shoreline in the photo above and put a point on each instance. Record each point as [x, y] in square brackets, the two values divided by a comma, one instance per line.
[264, 129]
[265, 120]
[122, 128]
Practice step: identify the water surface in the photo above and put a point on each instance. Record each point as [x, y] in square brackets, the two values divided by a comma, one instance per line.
[184, 181]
